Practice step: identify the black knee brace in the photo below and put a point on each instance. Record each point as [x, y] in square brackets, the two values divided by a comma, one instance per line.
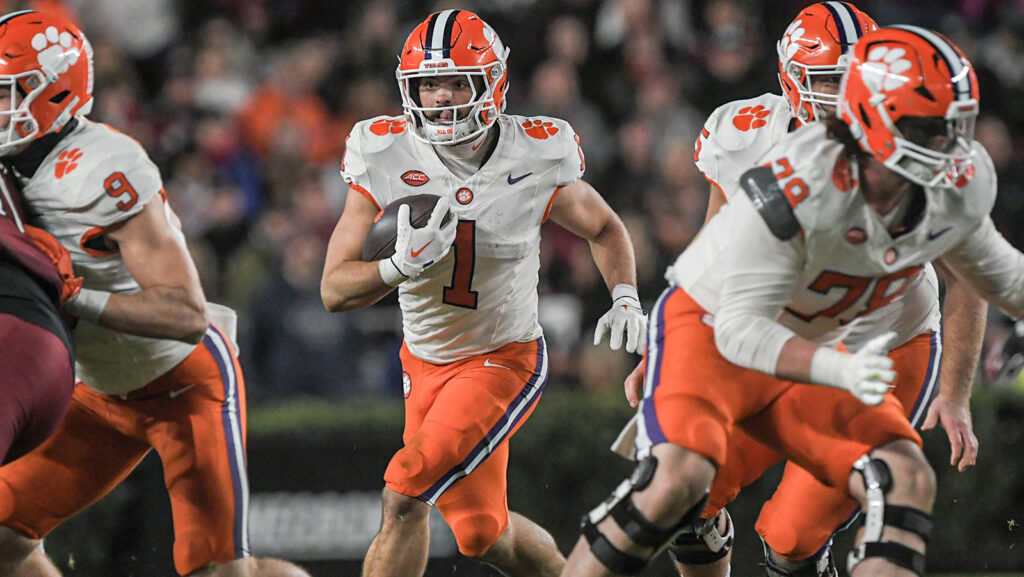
[620, 507]
[877, 482]
[703, 544]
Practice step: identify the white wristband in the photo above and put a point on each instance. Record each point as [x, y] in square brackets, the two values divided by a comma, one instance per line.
[624, 290]
[829, 366]
[88, 304]
[389, 272]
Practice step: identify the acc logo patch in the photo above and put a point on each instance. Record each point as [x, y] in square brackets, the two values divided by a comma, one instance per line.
[856, 235]
[464, 196]
[406, 384]
[415, 178]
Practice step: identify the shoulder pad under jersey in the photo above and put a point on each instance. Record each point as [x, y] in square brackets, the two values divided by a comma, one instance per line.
[369, 137]
[768, 199]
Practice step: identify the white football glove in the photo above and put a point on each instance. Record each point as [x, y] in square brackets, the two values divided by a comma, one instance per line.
[627, 316]
[867, 373]
[418, 248]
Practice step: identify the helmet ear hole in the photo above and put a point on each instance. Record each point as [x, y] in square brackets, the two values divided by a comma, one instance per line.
[864, 116]
[58, 98]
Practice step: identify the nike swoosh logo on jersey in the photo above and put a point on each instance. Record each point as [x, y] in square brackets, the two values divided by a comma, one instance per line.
[177, 392]
[488, 363]
[937, 234]
[416, 253]
[515, 180]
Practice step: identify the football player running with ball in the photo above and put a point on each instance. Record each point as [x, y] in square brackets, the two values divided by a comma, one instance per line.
[474, 357]
[861, 205]
[154, 372]
[798, 522]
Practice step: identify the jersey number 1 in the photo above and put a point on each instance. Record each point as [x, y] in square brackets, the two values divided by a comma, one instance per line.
[459, 293]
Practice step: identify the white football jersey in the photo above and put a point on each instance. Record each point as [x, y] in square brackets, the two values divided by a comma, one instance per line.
[483, 294]
[94, 178]
[735, 138]
[843, 263]
[736, 135]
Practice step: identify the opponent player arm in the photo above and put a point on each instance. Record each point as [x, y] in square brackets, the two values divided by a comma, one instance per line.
[348, 282]
[963, 329]
[171, 304]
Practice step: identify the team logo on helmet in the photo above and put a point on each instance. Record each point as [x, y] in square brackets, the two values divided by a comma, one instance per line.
[54, 50]
[789, 38]
[884, 68]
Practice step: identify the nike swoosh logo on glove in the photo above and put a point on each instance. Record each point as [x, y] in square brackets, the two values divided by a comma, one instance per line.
[416, 253]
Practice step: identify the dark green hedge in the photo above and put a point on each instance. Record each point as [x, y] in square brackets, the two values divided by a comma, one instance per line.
[560, 468]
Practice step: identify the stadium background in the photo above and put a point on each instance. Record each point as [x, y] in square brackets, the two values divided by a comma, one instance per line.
[245, 105]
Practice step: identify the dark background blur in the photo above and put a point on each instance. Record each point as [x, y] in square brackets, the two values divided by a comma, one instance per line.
[245, 105]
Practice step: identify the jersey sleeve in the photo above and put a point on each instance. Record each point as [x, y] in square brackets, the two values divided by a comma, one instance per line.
[992, 267]
[760, 272]
[118, 186]
[353, 165]
[706, 150]
[573, 163]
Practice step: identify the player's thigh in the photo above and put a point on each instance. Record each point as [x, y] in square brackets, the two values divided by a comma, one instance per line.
[476, 405]
[79, 464]
[200, 436]
[693, 395]
[825, 430]
[746, 460]
[803, 514]
[917, 374]
[476, 506]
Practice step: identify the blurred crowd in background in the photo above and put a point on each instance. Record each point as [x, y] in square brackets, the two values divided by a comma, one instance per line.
[245, 105]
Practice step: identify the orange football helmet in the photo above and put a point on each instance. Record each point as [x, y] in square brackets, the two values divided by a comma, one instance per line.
[454, 43]
[910, 98]
[47, 67]
[817, 43]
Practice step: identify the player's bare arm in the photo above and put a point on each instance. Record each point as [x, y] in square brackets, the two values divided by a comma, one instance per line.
[582, 211]
[349, 283]
[171, 303]
[963, 331]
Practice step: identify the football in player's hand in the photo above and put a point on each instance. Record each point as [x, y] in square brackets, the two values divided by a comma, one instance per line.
[380, 239]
